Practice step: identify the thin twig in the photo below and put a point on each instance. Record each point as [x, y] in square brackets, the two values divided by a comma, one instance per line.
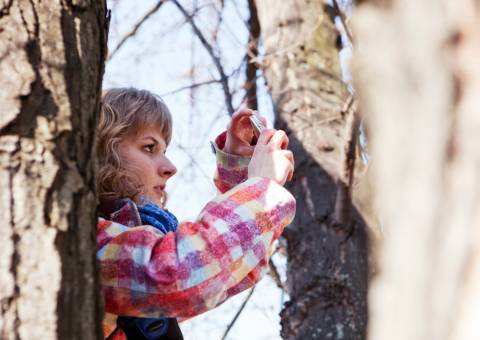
[136, 27]
[219, 22]
[348, 104]
[275, 275]
[230, 325]
[235, 30]
[319, 122]
[207, 82]
[352, 144]
[216, 60]
[343, 19]
[246, 96]
[190, 87]
[343, 201]
[194, 162]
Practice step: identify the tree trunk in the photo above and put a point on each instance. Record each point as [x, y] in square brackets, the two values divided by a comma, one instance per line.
[418, 80]
[327, 243]
[52, 61]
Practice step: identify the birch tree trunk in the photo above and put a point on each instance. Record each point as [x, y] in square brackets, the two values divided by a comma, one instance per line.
[417, 74]
[52, 60]
[327, 243]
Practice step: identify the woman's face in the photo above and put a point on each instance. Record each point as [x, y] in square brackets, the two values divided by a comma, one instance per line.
[144, 155]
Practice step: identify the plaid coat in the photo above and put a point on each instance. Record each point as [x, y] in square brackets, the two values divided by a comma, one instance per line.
[148, 273]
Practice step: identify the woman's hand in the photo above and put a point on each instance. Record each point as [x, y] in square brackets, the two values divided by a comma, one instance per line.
[240, 133]
[271, 159]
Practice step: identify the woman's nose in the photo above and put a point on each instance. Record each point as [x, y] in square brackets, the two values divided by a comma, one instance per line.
[166, 168]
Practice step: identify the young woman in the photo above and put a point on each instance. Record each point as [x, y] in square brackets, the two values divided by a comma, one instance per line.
[154, 269]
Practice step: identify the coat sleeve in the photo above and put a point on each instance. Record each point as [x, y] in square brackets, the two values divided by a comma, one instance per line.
[184, 273]
[231, 169]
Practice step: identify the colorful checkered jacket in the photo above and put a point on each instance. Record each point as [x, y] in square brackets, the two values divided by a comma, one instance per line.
[148, 273]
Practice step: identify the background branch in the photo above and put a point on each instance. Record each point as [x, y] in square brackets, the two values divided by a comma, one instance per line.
[343, 201]
[343, 19]
[240, 310]
[216, 60]
[136, 27]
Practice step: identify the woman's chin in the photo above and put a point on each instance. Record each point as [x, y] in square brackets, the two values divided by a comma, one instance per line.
[156, 199]
[146, 198]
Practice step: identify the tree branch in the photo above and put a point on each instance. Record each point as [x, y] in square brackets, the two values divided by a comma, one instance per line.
[194, 162]
[136, 28]
[191, 86]
[275, 275]
[343, 201]
[238, 314]
[216, 60]
[343, 19]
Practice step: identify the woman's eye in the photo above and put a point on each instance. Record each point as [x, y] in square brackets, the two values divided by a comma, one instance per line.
[149, 148]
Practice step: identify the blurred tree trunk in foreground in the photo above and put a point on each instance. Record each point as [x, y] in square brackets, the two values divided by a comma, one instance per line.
[417, 74]
[327, 243]
[52, 59]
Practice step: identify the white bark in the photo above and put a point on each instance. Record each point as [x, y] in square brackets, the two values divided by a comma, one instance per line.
[418, 79]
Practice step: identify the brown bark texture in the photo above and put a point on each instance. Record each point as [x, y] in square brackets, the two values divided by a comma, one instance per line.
[417, 75]
[327, 248]
[252, 55]
[51, 68]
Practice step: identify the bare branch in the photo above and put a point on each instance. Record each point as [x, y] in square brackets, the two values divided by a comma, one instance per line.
[275, 275]
[343, 19]
[193, 74]
[194, 162]
[247, 96]
[343, 201]
[219, 23]
[216, 60]
[238, 313]
[136, 28]
[190, 87]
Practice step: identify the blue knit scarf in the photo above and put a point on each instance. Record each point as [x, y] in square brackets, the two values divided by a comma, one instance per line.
[157, 217]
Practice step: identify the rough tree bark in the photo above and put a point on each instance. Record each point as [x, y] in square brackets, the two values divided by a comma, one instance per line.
[327, 243]
[52, 60]
[252, 55]
[418, 79]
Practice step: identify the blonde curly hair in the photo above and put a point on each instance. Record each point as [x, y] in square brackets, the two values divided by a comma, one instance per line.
[124, 113]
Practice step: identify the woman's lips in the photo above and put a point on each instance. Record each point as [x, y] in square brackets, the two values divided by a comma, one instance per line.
[159, 189]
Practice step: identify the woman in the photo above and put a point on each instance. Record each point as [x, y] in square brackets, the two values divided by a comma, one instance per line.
[155, 270]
